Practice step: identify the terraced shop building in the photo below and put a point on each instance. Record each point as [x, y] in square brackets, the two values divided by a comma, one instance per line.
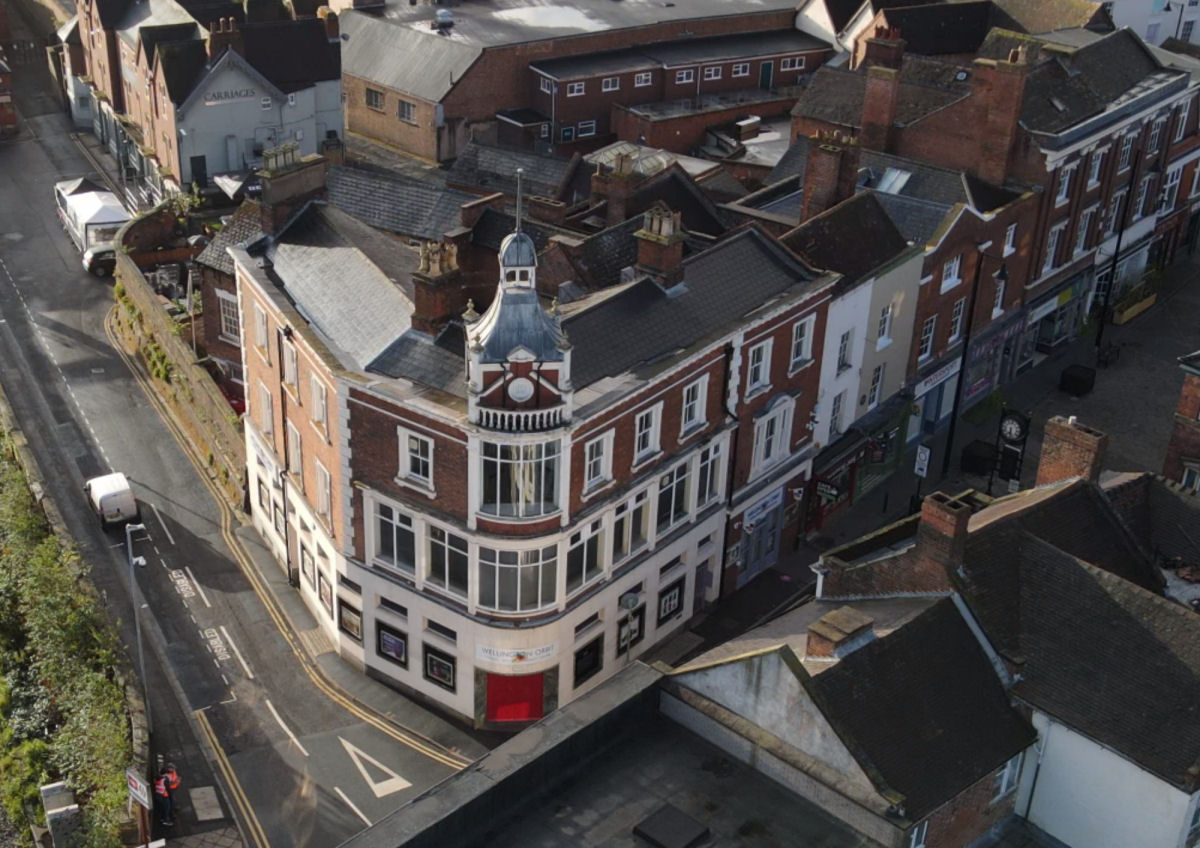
[494, 505]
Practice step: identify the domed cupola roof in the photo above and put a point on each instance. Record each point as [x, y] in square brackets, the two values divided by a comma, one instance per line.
[517, 250]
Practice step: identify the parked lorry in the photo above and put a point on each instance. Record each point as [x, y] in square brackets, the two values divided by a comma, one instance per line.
[91, 215]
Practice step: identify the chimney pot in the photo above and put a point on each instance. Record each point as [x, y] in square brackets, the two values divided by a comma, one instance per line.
[942, 533]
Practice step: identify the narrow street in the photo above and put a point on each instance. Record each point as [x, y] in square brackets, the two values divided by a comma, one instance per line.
[270, 748]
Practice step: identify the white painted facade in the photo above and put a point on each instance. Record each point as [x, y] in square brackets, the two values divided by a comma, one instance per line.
[1155, 23]
[892, 310]
[1089, 796]
[841, 376]
[234, 113]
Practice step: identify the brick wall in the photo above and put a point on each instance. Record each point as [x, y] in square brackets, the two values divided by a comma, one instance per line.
[684, 133]
[1185, 432]
[1070, 449]
[501, 79]
[969, 815]
[418, 137]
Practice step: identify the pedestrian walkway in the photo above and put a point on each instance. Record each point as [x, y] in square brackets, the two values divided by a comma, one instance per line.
[1133, 401]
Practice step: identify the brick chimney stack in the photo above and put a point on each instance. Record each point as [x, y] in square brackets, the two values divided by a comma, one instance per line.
[1069, 449]
[438, 293]
[942, 533]
[615, 185]
[998, 88]
[831, 174]
[330, 18]
[224, 33]
[838, 633]
[879, 108]
[289, 180]
[660, 246]
[884, 49]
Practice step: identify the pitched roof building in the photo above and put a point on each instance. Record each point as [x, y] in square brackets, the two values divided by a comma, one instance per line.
[1065, 580]
[492, 500]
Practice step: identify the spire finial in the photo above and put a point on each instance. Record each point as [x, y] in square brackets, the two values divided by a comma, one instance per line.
[520, 171]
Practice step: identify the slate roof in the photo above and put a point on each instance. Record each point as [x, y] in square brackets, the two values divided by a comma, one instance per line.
[602, 256]
[853, 238]
[680, 193]
[1066, 88]
[720, 186]
[292, 54]
[1117, 663]
[242, 227]
[923, 710]
[396, 203]
[917, 219]
[640, 324]
[150, 36]
[492, 168]
[1045, 15]
[416, 62]
[149, 13]
[835, 95]
[436, 362]
[1078, 519]
[352, 283]
[1191, 362]
[930, 182]
[793, 163]
[666, 54]
[110, 12]
[941, 28]
[181, 63]
[1159, 514]
[494, 226]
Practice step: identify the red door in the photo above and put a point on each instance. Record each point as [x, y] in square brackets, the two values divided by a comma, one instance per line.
[514, 698]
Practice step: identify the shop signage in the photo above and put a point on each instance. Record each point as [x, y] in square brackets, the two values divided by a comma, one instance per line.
[139, 787]
[828, 491]
[229, 95]
[1039, 312]
[756, 513]
[937, 377]
[514, 656]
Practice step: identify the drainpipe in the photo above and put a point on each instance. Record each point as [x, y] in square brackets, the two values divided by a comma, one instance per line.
[1037, 769]
[283, 471]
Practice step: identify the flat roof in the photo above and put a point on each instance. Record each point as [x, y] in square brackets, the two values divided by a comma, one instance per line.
[660, 764]
[500, 22]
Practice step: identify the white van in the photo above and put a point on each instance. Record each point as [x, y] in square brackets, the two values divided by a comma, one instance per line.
[112, 499]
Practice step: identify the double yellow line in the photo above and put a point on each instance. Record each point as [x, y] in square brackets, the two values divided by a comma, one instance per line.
[245, 808]
[414, 741]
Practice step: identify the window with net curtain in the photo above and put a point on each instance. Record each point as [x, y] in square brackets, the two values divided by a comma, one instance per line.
[519, 481]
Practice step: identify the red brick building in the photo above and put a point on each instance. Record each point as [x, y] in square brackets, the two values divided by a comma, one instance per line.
[495, 511]
[554, 78]
[1183, 451]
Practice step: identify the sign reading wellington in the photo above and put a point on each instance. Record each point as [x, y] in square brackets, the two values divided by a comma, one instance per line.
[230, 95]
[514, 656]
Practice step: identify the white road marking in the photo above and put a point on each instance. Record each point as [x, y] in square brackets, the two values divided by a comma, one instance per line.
[196, 583]
[380, 787]
[236, 652]
[350, 804]
[286, 729]
[163, 523]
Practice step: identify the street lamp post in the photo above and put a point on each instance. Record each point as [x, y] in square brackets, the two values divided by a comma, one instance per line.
[130, 529]
[1179, 21]
[1002, 276]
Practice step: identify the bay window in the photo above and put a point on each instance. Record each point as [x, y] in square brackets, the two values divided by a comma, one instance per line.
[517, 581]
[519, 481]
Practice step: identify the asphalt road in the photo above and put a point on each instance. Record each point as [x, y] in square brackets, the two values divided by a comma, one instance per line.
[230, 702]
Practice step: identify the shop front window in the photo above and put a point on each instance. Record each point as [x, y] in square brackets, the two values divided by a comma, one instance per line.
[519, 481]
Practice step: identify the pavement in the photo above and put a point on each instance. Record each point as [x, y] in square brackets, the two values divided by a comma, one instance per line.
[1133, 401]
